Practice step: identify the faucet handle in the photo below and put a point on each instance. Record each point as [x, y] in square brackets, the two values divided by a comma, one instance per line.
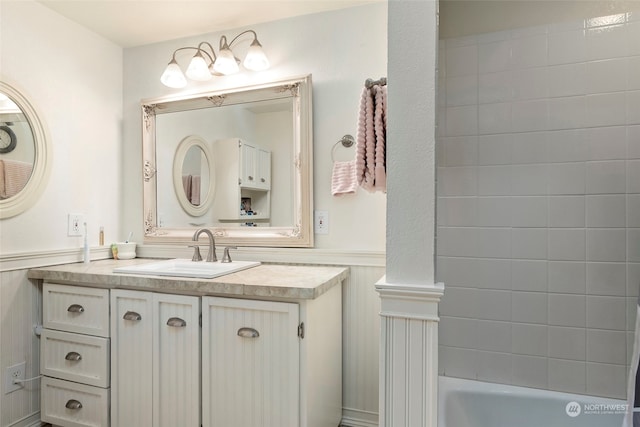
[226, 257]
[196, 253]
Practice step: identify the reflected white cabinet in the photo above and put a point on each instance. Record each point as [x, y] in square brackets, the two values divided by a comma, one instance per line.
[155, 359]
[245, 175]
[255, 169]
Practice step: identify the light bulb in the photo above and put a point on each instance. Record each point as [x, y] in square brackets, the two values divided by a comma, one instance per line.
[173, 77]
[225, 62]
[256, 60]
[198, 68]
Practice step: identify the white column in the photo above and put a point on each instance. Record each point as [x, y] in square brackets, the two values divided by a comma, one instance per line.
[409, 355]
[409, 296]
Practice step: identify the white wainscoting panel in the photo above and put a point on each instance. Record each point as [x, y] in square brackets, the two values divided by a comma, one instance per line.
[361, 341]
[409, 355]
[20, 308]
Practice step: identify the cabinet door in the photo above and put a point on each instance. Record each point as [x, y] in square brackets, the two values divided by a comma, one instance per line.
[248, 165]
[250, 363]
[131, 358]
[263, 168]
[176, 361]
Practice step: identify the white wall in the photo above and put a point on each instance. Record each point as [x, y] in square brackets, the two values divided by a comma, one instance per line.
[339, 61]
[74, 79]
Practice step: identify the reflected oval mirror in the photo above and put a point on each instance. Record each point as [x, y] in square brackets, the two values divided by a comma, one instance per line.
[24, 152]
[260, 178]
[194, 175]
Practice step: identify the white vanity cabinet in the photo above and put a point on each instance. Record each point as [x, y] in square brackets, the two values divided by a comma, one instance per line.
[74, 358]
[257, 348]
[155, 357]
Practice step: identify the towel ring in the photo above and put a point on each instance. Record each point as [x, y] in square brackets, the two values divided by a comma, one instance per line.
[346, 141]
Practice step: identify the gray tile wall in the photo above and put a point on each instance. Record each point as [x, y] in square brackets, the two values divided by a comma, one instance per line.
[538, 239]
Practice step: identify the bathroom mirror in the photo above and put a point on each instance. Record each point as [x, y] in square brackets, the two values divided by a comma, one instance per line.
[274, 120]
[24, 152]
[194, 177]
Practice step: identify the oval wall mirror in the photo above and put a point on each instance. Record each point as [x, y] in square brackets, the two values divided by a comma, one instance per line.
[194, 175]
[24, 152]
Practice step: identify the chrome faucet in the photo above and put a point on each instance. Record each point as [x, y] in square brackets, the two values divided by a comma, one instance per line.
[211, 256]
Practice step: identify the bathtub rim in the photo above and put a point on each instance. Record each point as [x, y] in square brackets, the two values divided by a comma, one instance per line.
[450, 385]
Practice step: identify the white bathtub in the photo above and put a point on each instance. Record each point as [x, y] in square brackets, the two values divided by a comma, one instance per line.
[467, 403]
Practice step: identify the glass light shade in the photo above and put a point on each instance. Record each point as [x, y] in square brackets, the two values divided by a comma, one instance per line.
[225, 62]
[256, 60]
[173, 77]
[198, 69]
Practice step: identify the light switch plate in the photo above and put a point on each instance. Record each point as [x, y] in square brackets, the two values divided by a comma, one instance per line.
[321, 222]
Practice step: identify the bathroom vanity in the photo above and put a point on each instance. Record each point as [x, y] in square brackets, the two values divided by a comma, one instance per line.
[259, 347]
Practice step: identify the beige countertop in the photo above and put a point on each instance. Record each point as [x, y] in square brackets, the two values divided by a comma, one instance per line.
[264, 281]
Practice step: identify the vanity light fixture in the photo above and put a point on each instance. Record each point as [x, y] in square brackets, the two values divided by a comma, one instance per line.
[205, 63]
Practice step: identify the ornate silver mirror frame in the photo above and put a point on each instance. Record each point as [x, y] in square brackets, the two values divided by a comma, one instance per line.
[300, 233]
[32, 190]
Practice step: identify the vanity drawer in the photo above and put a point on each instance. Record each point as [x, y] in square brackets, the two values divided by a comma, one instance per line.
[75, 357]
[76, 309]
[69, 404]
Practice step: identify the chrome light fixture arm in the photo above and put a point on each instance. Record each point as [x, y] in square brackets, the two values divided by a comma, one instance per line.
[211, 56]
[223, 63]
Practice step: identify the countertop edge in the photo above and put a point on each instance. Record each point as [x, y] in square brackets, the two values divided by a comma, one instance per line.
[93, 275]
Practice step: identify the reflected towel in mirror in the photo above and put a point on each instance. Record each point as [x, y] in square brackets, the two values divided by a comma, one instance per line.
[191, 184]
[14, 175]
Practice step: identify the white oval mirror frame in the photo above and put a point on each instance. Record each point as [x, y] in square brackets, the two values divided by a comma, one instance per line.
[32, 190]
[185, 145]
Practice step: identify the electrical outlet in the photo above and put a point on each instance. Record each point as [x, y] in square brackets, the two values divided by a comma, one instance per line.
[321, 222]
[15, 372]
[75, 224]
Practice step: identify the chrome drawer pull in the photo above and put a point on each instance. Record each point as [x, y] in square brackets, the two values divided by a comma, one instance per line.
[73, 356]
[176, 322]
[75, 308]
[131, 315]
[248, 333]
[73, 404]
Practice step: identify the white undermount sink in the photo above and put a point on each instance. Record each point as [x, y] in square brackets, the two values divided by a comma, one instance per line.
[187, 268]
